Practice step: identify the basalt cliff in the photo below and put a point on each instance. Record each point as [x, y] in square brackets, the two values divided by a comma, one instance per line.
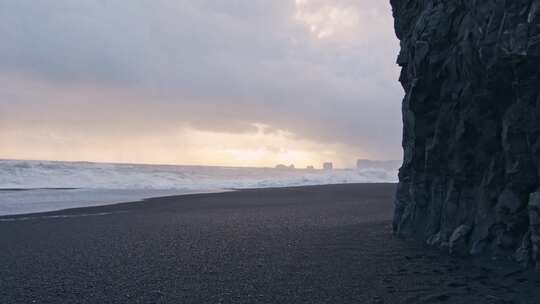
[470, 180]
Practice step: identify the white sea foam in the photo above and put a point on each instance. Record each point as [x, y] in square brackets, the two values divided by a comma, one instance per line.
[99, 183]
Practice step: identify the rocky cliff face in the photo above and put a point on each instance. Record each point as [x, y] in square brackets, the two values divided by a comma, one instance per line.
[470, 177]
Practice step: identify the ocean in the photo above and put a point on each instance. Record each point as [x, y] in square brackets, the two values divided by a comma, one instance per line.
[40, 186]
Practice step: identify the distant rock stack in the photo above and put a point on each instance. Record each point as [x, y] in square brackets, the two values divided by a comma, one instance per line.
[471, 72]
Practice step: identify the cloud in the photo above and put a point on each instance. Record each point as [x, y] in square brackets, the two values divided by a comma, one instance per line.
[321, 70]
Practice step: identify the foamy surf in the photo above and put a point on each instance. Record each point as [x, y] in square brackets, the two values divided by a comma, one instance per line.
[52, 185]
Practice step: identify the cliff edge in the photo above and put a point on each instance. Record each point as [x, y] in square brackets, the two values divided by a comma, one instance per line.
[469, 182]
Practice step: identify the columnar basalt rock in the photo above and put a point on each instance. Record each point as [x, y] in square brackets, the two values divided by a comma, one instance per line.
[470, 177]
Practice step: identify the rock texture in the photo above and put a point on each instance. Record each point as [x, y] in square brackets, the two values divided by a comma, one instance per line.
[470, 177]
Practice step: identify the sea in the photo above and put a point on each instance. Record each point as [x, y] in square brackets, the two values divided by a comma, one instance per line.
[30, 186]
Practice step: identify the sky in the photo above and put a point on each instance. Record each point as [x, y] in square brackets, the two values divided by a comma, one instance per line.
[206, 82]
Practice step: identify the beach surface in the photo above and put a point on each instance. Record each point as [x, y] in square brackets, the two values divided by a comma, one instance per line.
[316, 244]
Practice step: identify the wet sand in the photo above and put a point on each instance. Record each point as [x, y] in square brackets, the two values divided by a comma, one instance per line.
[320, 244]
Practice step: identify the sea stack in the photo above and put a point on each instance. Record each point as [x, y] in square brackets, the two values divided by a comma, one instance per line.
[471, 73]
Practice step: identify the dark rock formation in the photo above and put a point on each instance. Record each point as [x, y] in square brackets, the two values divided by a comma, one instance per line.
[470, 177]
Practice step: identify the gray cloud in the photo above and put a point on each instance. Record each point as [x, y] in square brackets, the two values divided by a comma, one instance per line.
[216, 65]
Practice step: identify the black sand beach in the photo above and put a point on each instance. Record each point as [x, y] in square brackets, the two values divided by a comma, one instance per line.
[321, 244]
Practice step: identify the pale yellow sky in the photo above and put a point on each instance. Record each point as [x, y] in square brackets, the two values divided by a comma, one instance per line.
[78, 123]
[181, 146]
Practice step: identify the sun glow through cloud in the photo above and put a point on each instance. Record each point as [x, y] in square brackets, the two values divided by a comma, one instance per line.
[328, 20]
[181, 146]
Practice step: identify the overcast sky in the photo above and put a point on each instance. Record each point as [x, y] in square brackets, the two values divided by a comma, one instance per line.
[231, 82]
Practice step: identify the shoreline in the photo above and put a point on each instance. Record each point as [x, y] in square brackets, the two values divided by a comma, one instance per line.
[81, 208]
[95, 198]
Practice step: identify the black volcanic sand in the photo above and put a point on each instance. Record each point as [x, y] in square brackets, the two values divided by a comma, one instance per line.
[323, 244]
